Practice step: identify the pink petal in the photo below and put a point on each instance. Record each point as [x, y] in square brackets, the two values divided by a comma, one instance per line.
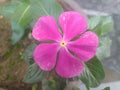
[85, 47]
[72, 24]
[67, 65]
[46, 29]
[45, 56]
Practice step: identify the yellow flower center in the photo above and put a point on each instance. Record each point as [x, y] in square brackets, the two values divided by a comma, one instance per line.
[63, 43]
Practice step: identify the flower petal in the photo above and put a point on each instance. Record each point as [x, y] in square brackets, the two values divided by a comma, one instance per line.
[72, 24]
[46, 29]
[67, 65]
[45, 56]
[85, 47]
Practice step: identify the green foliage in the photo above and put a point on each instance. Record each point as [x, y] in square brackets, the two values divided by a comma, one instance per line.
[28, 54]
[75, 88]
[107, 88]
[8, 10]
[49, 85]
[24, 12]
[17, 32]
[93, 22]
[34, 74]
[107, 25]
[43, 7]
[54, 84]
[93, 74]
[21, 18]
[103, 50]
[101, 25]
[22, 15]
[34, 87]
[18, 1]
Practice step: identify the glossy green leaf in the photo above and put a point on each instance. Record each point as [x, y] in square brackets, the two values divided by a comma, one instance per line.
[103, 50]
[101, 25]
[28, 54]
[42, 7]
[17, 32]
[21, 18]
[93, 74]
[22, 14]
[8, 10]
[107, 24]
[34, 74]
[93, 22]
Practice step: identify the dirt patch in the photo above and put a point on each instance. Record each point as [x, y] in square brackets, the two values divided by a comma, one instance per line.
[5, 34]
[12, 65]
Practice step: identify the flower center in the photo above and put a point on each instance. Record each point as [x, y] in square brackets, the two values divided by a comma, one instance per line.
[63, 43]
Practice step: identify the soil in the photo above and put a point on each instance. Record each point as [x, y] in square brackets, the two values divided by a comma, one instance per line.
[12, 65]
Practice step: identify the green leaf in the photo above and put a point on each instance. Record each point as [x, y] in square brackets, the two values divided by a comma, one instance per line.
[107, 24]
[22, 14]
[20, 18]
[93, 22]
[107, 88]
[93, 74]
[28, 54]
[18, 1]
[42, 7]
[103, 50]
[49, 85]
[101, 25]
[8, 10]
[17, 32]
[34, 74]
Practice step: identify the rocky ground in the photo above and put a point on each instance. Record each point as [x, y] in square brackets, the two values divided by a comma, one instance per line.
[109, 6]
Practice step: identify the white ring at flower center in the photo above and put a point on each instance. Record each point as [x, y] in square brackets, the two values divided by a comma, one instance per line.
[63, 43]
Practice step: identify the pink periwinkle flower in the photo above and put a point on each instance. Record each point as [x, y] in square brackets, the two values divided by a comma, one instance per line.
[69, 46]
